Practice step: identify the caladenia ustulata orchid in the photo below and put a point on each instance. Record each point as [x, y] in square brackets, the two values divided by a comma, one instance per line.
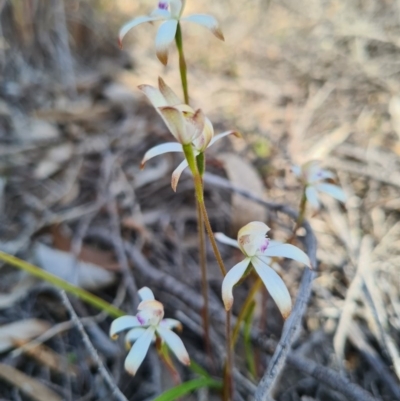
[314, 178]
[184, 124]
[144, 328]
[258, 250]
[171, 12]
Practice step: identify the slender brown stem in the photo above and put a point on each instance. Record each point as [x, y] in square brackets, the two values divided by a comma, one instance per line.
[204, 281]
[164, 356]
[300, 217]
[228, 382]
[212, 239]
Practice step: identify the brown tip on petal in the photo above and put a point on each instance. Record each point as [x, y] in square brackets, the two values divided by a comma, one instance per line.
[228, 305]
[218, 33]
[286, 314]
[174, 182]
[142, 165]
[237, 134]
[114, 337]
[163, 57]
[131, 372]
[186, 361]
[120, 43]
[161, 82]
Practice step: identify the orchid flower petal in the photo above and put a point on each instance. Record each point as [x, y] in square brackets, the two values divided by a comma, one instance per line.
[160, 12]
[202, 142]
[223, 135]
[171, 324]
[174, 120]
[275, 286]
[231, 278]
[208, 22]
[175, 344]
[136, 21]
[146, 294]
[176, 7]
[194, 125]
[154, 95]
[278, 249]
[139, 351]
[121, 324]
[296, 170]
[332, 190]
[133, 335]
[169, 95]
[160, 150]
[165, 36]
[224, 239]
[312, 197]
[176, 175]
[320, 175]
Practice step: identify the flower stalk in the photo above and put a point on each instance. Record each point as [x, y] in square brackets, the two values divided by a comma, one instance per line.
[182, 63]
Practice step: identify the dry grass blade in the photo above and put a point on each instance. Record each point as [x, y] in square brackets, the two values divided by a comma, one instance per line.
[27, 385]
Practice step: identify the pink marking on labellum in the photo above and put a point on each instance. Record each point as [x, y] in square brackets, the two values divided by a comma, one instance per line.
[264, 245]
[141, 320]
[163, 5]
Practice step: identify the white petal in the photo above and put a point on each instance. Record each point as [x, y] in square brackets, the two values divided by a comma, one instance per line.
[160, 150]
[154, 95]
[175, 122]
[121, 324]
[146, 294]
[223, 135]
[139, 351]
[133, 335]
[312, 197]
[296, 170]
[165, 36]
[165, 14]
[176, 175]
[176, 7]
[278, 249]
[171, 324]
[232, 277]
[207, 21]
[169, 95]
[332, 190]
[175, 344]
[137, 21]
[275, 286]
[224, 239]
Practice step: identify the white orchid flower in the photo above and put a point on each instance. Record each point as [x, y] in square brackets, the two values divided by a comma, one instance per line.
[143, 330]
[182, 126]
[313, 178]
[171, 12]
[258, 249]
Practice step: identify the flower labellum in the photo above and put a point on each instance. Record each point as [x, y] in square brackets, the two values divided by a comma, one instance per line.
[143, 329]
[258, 251]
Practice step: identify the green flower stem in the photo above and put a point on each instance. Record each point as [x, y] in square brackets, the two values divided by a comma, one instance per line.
[201, 163]
[182, 63]
[60, 283]
[245, 308]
